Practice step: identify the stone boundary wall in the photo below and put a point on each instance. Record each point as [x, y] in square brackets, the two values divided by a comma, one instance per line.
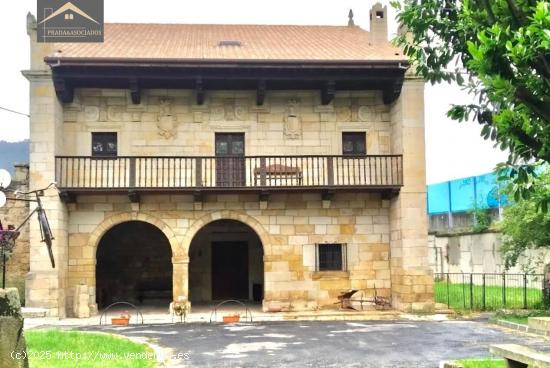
[14, 213]
[478, 253]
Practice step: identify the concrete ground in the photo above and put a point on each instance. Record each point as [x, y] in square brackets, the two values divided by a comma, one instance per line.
[204, 314]
[376, 344]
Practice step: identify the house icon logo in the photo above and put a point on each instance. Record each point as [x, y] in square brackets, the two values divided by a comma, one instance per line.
[70, 21]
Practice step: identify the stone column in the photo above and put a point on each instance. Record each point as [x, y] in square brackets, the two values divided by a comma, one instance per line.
[45, 286]
[275, 298]
[412, 282]
[180, 277]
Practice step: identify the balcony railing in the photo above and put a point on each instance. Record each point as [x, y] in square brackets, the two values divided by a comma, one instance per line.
[225, 173]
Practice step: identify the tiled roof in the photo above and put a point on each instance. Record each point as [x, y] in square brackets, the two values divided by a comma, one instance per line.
[285, 43]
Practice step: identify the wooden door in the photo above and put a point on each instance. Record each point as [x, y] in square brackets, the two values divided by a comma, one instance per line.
[230, 161]
[229, 270]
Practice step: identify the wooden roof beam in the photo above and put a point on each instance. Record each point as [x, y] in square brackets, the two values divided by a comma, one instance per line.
[261, 92]
[328, 92]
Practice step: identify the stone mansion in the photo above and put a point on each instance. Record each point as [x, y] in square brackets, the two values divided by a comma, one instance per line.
[280, 165]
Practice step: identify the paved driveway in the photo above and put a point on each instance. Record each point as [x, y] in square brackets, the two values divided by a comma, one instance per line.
[326, 344]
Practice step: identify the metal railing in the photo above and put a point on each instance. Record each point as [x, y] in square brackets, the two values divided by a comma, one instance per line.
[490, 291]
[85, 172]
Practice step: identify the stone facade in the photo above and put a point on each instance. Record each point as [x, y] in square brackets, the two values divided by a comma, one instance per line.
[288, 228]
[386, 238]
[290, 123]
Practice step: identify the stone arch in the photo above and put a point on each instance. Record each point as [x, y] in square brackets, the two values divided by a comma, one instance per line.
[107, 224]
[179, 273]
[250, 221]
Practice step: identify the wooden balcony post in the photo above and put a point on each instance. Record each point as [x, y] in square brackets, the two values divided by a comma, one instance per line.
[330, 170]
[263, 172]
[57, 172]
[198, 172]
[132, 169]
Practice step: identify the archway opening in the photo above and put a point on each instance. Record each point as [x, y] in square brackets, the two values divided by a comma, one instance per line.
[134, 264]
[226, 262]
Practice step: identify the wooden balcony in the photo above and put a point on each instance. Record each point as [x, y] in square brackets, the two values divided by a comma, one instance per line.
[262, 174]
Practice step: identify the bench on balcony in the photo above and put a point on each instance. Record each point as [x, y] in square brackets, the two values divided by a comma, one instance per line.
[277, 175]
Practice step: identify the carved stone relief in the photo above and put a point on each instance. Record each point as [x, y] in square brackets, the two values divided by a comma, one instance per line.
[217, 113]
[241, 112]
[343, 113]
[293, 123]
[366, 113]
[231, 110]
[114, 113]
[167, 123]
[103, 110]
[91, 113]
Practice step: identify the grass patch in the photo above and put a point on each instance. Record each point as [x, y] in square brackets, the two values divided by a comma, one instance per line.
[459, 296]
[69, 349]
[483, 363]
[520, 317]
[522, 320]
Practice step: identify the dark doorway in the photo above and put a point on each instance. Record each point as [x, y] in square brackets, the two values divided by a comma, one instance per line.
[230, 161]
[229, 270]
[134, 264]
[226, 262]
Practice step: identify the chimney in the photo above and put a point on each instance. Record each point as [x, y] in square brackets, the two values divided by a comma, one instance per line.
[351, 23]
[379, 23]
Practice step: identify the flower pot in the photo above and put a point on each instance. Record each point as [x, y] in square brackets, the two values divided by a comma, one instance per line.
[120, 321]
[231, 319]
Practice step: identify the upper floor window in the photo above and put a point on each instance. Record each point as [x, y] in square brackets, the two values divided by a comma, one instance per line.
[331, 257]
[104, 144]
[354, 143]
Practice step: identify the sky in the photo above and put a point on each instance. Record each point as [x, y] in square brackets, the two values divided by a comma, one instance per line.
[453, 150]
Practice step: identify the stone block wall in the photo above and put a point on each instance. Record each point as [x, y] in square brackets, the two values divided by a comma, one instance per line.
[14, 213]
[479, 253]
[289, 227]
[168, 122]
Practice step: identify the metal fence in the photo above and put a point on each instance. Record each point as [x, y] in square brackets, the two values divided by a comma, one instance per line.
[490, 291]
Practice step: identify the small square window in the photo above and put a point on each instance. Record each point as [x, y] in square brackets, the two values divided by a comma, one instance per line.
[104, 144]
[354, 143]
[331, 257]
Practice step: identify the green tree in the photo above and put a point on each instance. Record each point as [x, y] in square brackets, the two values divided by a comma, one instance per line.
[499, 51]
[481, 217]
[524, 226]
